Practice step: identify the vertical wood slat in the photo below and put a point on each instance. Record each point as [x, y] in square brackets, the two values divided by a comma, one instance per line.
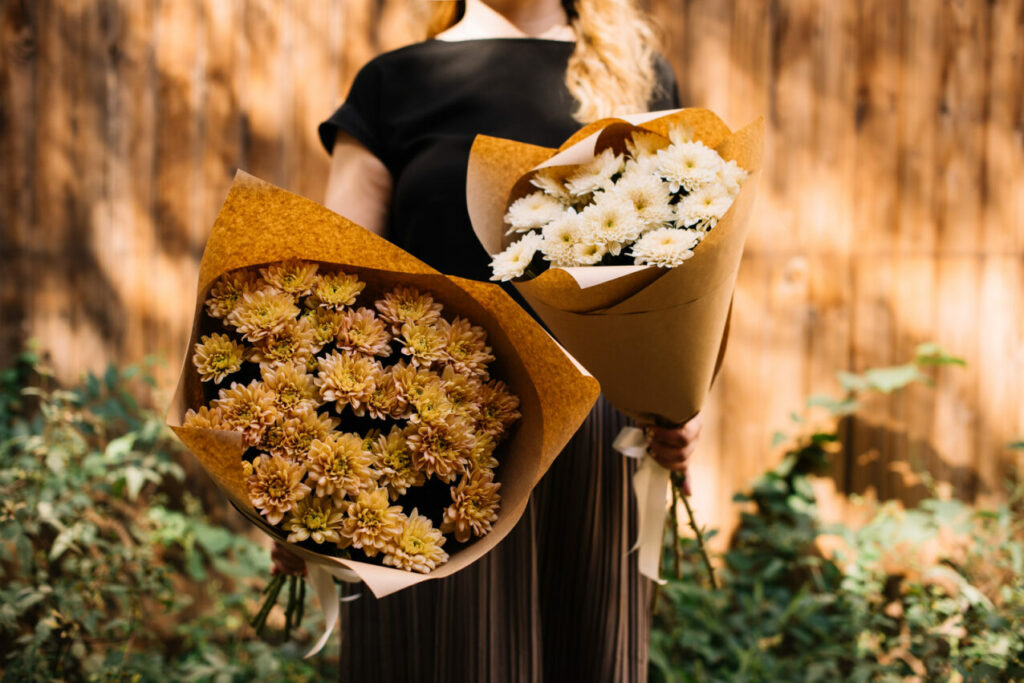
[891, 210]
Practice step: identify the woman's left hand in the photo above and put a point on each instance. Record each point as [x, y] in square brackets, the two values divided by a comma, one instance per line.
[672, 447]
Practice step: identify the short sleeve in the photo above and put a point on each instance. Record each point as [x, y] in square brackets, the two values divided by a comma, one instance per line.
[361, 114]
[666, 91]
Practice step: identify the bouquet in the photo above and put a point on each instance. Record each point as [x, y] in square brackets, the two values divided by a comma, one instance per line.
[626, 241]
[649, 206]
[385, 421]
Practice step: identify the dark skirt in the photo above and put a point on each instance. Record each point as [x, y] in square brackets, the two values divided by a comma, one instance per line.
[560, 599]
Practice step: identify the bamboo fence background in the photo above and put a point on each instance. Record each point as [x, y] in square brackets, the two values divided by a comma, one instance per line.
[891, 211]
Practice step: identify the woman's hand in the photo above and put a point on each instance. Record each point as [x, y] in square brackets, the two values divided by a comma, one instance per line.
[672, 447]
[286, 562]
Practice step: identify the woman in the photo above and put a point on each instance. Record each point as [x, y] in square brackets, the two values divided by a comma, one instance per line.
[560, 598]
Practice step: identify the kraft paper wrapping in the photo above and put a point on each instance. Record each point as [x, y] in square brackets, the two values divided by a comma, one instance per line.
[652, 336]
[260, 223]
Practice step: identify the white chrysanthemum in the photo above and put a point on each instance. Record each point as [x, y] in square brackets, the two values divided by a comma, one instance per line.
[513, 261]
[688, 165]
[560, 237]
[642, 166]
[588, 253]
[665, 247]
[611, 221]
[732, 176]
[704, 207]
[550, 184]
[532, 211]
[649, 196]
[596, 175]
[679, 134]
[645, 144]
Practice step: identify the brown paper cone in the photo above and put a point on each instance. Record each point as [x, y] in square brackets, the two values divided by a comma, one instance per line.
[259, 224]
[654, 337]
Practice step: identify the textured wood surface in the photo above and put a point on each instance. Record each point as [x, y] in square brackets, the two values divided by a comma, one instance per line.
[891, 210]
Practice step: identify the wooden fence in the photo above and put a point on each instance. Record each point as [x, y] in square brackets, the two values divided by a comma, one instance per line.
[891, 210]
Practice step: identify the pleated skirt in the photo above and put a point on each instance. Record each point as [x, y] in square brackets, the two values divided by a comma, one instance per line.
[560, 599]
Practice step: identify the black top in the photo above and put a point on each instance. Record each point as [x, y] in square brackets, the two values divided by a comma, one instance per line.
[418, 109]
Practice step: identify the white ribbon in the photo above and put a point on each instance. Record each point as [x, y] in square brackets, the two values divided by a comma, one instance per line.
[651, 484]
[321, 580]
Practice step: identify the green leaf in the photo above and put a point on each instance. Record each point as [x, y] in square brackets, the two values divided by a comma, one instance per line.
[110, 377]
[889, 379]
[850, 381]
[845, 406]
[931, 353]
[119, 448]
[779, 438]
[134, 480]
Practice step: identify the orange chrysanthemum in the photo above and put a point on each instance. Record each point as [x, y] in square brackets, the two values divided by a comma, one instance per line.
[441, 449]
[340, 466]
[336, 290]
[498, 409]
[393, 461]
[431, 404]
[292, 277]
[228, 291]
[262, 313]
[302, 430]
[216, 356]
[317, 519]
[466, 348]
[275, 486]
[372, 524]
[408, 305]
[474, 507]
[206, 418]
[248, 409]
[325, 323]
[293, 344]
[482, 455]
[348, 379]
[387, 400]
[423, 343]
[464, 393]
[294, 390]
[418, 548]
[362, 331]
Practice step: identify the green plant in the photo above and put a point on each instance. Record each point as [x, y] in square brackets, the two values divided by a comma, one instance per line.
[785, 611]
[109, 570]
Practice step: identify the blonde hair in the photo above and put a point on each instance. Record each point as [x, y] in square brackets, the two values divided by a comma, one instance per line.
[611, 71]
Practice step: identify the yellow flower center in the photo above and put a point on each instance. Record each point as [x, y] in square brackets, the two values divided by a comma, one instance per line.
[277, 487]
[314, 519]
[221, 360]
[289, 396]
[369, 518]
[340, 466]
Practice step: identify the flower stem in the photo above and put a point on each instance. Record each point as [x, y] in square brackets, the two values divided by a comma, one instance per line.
[272, 590]
[677, 484]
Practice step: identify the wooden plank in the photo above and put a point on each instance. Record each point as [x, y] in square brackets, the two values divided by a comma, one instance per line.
[1003, 212]
[961, 126]
[956, 403]
[18, 139]
[999, 366]
[262, 106]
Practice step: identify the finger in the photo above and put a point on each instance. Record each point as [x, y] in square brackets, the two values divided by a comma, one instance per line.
[677, 436]
[672, 453]
[672, 458]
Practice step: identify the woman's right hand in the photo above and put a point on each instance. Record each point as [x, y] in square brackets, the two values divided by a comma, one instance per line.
[286, 562]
